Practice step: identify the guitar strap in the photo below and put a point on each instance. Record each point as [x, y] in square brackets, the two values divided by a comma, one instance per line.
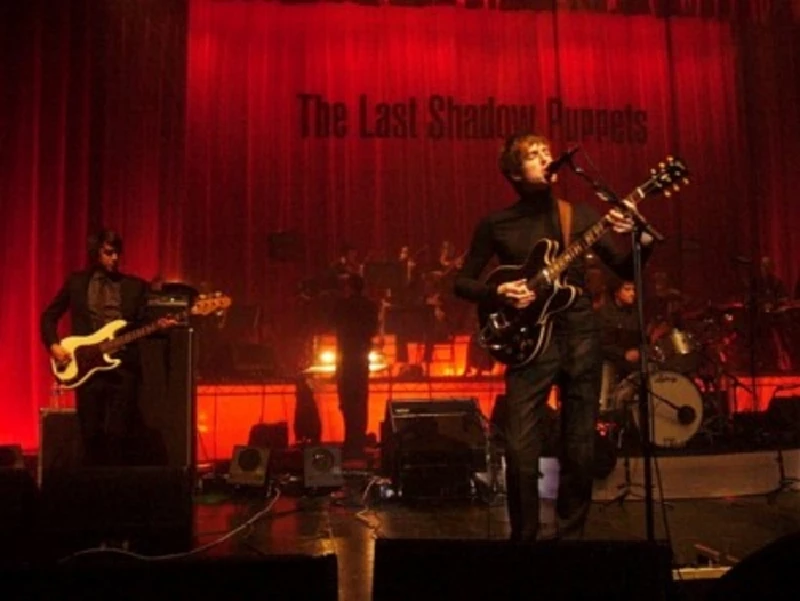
[565, 217]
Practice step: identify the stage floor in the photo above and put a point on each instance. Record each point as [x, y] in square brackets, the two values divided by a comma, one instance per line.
[347, 522]
[714, 506]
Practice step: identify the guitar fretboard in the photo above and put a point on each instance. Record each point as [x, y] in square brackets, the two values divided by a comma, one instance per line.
[113, 345]
[582, 244]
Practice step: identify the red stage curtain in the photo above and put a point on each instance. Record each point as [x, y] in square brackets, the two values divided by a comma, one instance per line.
[186, 133]
[91, 132]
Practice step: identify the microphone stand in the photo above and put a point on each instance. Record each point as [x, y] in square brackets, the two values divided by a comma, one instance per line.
[640, 225]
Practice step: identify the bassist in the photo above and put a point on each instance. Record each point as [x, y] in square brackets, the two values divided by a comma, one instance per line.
[107, 404]
[571, 360]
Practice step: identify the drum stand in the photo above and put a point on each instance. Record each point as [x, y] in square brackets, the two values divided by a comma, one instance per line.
[784, 483]
[626, 488]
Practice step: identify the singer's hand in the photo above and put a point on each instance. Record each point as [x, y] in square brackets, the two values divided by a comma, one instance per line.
[620, 222]
[623, 224]
[516, 293]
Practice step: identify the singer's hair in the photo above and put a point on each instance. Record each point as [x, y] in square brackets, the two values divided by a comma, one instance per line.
[510, 160]
[98, 239]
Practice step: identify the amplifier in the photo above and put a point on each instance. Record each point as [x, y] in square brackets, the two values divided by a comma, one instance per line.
[433, 447]
[60, 446]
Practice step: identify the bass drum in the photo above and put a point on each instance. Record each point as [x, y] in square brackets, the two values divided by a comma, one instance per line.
[676, 406]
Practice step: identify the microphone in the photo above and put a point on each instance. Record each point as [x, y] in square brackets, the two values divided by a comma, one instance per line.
[564, 158]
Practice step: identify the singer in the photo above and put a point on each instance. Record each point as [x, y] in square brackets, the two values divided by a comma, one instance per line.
[573, 359]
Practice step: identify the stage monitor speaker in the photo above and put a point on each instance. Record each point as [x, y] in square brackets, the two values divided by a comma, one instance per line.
[249, 466]
[322, 467]
[167, 398]
[434, 569]
[431, 448]
[150, 508]
[283, 577]
[59, 442]
[769, 573]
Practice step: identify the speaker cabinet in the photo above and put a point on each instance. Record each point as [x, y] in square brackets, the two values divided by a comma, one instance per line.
[249, 466]
[18, 505]
[59, 442]
[322, 467]
[167, 398]
[769, 573]
[149, 508]
[283, 577]
[431, 448]
[428, 569]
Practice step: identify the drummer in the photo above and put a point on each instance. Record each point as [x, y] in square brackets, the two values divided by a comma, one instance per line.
[620, 337]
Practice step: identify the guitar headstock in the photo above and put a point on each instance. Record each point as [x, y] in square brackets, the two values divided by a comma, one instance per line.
[670, 175]
[213, 303]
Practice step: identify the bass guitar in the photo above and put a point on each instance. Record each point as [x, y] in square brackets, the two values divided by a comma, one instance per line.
[93, 353]
[516, 337]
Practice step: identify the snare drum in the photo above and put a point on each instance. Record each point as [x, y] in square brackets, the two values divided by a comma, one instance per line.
[676, 406]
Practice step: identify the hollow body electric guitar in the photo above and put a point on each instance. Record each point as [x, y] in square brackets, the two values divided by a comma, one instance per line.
[93, 353]
[516, 337]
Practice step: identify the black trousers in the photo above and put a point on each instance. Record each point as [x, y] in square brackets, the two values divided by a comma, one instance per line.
[108, 414]
[573, 362]
[352, 384]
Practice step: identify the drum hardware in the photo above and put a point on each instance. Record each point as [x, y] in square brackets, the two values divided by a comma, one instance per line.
[785, 483]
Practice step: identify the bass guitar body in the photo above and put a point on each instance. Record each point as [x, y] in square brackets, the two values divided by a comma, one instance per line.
[87, 356]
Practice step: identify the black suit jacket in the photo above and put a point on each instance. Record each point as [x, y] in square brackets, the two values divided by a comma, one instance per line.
[73, 297]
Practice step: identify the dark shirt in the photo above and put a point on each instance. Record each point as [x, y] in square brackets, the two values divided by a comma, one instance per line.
[74, 297]
[619, 333]
[104, 298]
[511, 233]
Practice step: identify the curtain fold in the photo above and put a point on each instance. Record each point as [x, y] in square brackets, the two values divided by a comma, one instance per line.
[91, 134]
[206, 130]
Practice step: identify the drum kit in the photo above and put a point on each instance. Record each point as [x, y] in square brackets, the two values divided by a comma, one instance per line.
[691, 364]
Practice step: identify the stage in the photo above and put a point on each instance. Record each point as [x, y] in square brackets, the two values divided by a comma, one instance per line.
[715, 519]
[712, 511]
